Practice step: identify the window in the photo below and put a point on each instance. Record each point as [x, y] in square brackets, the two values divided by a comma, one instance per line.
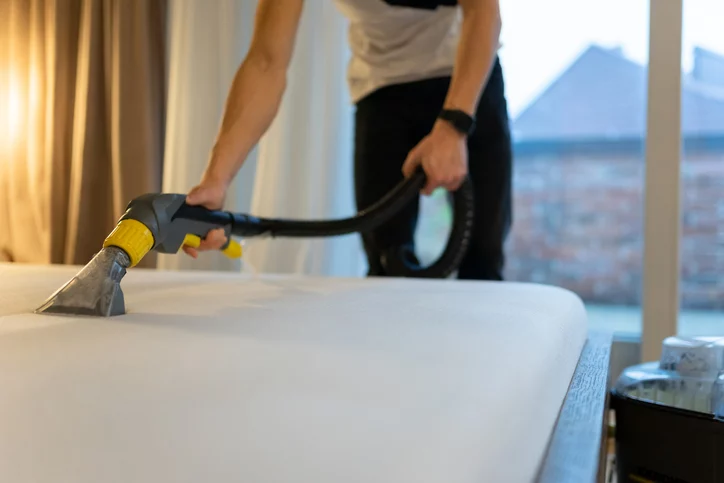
[701, 283]
[576, 87]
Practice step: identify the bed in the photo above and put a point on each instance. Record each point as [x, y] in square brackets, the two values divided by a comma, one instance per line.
[214, 376]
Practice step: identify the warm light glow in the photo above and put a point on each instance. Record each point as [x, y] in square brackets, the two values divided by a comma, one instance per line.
[11, 112]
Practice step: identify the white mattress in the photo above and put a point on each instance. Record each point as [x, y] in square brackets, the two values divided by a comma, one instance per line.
[222, 378]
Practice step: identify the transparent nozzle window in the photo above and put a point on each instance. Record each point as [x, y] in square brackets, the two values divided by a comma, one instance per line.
[718, 398]
[689, 375]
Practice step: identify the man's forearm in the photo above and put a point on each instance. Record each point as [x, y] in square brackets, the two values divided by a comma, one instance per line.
[252, 103]
[477, 48]
[257, 88]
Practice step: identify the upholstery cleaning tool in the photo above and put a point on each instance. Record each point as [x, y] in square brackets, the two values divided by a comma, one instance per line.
[165, 222]
[670, 414]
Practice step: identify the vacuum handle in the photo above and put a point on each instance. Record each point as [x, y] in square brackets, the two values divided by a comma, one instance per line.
[231, 249]
[191, 223]
[243, 225]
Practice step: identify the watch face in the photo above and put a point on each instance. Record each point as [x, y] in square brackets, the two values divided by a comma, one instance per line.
[465, 123]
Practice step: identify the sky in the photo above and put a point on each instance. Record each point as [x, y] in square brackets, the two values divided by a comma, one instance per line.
[542, 37]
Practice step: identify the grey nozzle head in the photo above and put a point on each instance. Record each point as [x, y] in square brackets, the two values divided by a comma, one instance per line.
[94, 290]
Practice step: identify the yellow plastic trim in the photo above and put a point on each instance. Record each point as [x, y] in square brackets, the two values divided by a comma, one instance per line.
[192, 241]
[233, 250]
[133, 237]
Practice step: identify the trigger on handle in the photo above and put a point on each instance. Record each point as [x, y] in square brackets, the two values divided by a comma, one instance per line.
[232, 250]
[192, 241]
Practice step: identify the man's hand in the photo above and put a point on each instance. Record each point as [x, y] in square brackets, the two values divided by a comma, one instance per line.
[443, 156]
[209, 194]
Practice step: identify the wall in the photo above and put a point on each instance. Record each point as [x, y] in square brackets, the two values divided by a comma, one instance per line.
[702, 244]
[579, 224]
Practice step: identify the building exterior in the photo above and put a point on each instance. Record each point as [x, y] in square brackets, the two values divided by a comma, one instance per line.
[579, 181]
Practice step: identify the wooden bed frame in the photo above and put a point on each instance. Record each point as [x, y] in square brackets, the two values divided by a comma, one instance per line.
[577, 449]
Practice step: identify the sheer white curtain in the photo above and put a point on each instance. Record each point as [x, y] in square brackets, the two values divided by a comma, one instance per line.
[302, 167]
[207, 41]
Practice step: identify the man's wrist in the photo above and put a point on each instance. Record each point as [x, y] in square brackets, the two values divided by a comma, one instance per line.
[443, 127]
[216, 175]
[221, 167]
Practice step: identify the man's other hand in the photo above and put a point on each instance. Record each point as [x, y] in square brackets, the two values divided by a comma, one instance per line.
[443, 156]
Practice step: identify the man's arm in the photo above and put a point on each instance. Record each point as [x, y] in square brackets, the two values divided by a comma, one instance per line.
[257, 89]
[253, 101]
[477, 48]
[443, 153]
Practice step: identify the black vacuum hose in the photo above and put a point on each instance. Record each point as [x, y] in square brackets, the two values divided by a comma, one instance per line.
[396, 262]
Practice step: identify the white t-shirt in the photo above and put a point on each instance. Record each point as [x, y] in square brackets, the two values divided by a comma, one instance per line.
[394, 41]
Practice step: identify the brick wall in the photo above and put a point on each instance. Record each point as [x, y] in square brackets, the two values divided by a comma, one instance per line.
[703, 228]
[579, 224]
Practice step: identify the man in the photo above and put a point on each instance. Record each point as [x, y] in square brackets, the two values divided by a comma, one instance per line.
[428, 88]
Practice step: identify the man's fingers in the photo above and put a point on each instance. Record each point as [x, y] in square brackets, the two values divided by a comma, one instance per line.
[214, 240]
[207, 196]
[411, 163]
[449, 182]
[430, 186]
[190, 251]
[197, 196]
[454, 184]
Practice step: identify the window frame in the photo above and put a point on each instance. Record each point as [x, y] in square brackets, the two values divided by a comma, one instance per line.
[662, 210]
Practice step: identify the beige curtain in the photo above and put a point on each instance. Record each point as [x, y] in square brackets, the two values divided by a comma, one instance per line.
[85, 83]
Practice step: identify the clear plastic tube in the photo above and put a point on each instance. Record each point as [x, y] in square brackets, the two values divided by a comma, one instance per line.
[689, 375]
[718, 397]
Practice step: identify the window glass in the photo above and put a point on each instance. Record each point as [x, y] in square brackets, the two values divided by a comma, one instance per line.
[702, 169]
[576, 88]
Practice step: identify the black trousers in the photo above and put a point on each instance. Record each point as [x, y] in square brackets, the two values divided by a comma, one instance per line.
[392, 121]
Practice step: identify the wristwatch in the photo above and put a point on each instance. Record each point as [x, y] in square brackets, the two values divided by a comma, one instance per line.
[460, 120]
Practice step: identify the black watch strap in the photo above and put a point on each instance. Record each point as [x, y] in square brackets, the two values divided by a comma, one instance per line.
[460, 120]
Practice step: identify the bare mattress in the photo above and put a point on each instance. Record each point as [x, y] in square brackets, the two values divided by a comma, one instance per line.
[219, 377]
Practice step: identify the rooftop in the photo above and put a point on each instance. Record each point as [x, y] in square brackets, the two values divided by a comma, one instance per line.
[602, 96]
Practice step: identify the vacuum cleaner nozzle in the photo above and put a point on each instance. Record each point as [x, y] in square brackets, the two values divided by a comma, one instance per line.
[95, 290]
[161, 222]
